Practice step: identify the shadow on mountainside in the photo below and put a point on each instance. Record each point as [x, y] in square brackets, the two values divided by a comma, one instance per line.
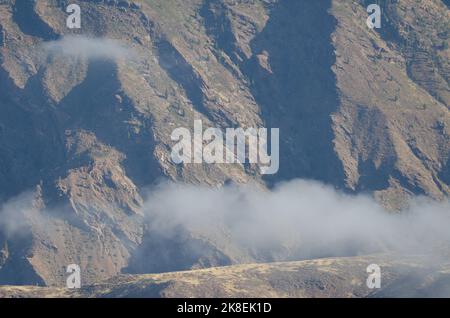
[293, 82]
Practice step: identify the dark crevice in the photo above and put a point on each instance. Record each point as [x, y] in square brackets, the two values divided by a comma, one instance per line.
[2, 38]
[373, 135]
[411, 185]
[29, 22]
[218, 27]
[444, 174]
[182, 73]
[298, 93]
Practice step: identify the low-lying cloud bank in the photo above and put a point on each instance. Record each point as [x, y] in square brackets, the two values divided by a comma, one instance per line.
[89, 48]
[307, 218]
[296, 220]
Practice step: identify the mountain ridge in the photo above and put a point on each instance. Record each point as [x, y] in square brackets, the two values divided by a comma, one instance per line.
[333, 277]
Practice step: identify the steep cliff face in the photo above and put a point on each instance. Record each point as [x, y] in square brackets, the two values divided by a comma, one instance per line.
[361, 110]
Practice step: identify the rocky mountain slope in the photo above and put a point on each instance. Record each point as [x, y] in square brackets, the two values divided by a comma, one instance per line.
[81, 138]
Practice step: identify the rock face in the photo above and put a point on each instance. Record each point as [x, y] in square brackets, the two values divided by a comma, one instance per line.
[81, 138]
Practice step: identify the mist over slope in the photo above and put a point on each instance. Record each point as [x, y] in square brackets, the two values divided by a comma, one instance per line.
[295, 220]
[86, 118]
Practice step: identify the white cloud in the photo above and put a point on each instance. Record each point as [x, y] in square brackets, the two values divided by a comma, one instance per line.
[90, 48]
[309, 219]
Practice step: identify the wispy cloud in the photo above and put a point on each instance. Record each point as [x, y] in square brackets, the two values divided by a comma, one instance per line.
[13, 215]
[90, 48]
[305, 218]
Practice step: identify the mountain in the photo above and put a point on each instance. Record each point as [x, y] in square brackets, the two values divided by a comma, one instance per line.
[83, 138]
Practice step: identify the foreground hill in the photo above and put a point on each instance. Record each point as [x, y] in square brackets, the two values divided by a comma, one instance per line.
[335, 277]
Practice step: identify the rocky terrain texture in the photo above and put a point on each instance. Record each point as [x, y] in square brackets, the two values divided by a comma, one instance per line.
[334, 277]
[81, 139]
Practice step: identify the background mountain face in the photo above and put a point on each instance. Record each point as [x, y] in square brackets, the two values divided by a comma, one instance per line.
[81, 138]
